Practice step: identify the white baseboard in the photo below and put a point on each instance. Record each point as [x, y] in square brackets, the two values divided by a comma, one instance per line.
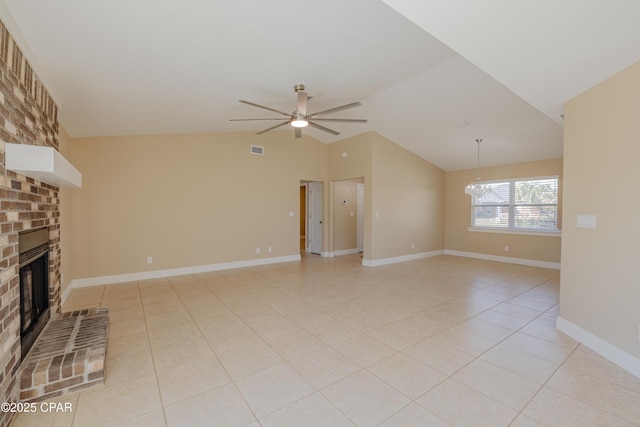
[605, 349]
[346, 252]
[403, 258]
[66, 293]
[329, 254]
[510, 260]
[156, 274]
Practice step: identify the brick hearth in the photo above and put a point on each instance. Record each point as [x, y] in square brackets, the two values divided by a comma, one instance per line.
[69, 355]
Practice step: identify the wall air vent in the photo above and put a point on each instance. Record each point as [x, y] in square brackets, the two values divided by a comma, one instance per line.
[257, 149]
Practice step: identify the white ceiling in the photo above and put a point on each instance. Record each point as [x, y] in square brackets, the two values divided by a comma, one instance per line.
[164, 66]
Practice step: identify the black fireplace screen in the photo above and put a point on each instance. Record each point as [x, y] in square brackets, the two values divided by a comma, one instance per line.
[34, 285]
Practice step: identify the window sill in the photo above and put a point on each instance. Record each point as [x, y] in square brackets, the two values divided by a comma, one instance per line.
[550, 233]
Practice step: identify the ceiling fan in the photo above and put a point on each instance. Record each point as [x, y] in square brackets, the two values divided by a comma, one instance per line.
[300, 119]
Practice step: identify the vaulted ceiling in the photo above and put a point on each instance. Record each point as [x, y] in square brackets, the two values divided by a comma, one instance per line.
[433, 75]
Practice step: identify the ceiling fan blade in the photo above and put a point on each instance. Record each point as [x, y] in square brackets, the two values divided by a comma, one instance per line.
[317, 119]
[302, 102]
[336, 109]
[322, 128]
[266, 108]
[244, 120]
[298, 132]
[286, 122]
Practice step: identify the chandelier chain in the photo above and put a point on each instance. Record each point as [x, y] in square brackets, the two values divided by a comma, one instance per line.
[479, 140]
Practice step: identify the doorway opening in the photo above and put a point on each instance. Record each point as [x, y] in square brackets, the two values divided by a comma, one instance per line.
[311, 212]
[303, 216]
[348, 216]
[360, 236]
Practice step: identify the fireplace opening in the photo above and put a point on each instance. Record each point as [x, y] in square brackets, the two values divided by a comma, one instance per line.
[34, 285]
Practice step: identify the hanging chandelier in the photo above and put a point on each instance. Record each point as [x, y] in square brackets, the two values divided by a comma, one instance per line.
[477, 190]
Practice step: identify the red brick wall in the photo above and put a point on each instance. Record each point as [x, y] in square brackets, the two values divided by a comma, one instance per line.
[28, 115]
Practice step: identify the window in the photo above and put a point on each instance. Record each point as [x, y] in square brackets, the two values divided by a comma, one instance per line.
[529, 204]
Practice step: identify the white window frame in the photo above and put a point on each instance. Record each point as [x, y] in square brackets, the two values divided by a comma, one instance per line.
[511, 229]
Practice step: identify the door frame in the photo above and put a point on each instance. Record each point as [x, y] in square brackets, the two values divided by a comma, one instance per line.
[309, 222]
[360, 195]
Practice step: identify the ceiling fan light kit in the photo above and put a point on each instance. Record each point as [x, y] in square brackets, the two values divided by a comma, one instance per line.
[300, 119]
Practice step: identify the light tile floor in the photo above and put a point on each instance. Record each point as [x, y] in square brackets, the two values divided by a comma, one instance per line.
[436, 342]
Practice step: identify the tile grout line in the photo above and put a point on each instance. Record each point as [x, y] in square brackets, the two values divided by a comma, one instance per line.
[153, 359]
[215, 354]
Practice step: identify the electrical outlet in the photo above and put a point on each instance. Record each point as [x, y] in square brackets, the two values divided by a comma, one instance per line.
[506, 248]
[270, 249]
[149, 260]
[257, 250]
[413, 246]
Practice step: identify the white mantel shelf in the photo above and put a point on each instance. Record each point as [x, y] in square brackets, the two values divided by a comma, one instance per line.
[45, 164]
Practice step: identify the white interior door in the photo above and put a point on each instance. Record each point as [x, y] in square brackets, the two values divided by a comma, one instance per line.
[314, 224]
[360, 189]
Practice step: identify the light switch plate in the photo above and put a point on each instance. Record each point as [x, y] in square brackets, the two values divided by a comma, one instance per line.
[586, 221]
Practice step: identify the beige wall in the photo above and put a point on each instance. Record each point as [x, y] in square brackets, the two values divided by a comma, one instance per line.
[345, 214]
[458, 217]
[187, 200]
[356, 165]
[190, 200]
[408, 196]
[66, 258]
[600, 279]
[405, 190]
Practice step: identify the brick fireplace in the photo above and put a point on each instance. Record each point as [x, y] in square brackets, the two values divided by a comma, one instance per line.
[28, 115]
